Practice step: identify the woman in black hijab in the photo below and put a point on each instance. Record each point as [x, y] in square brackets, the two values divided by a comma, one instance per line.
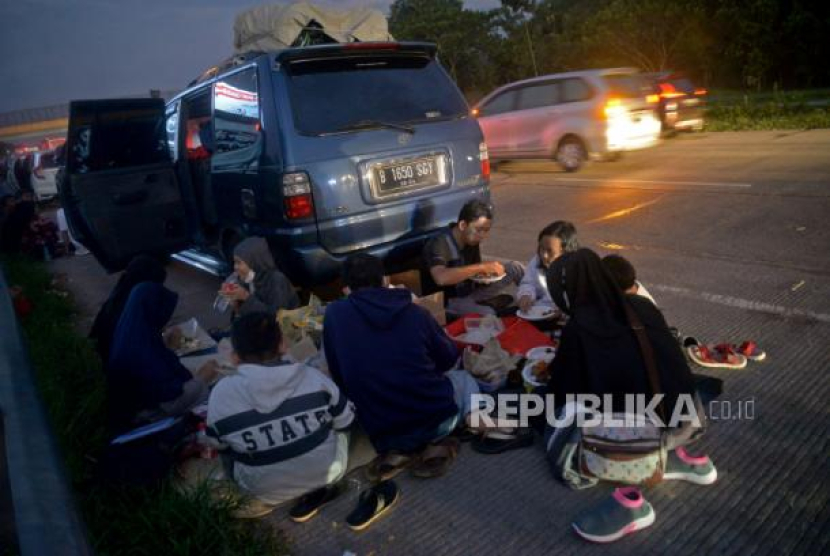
[599, 352]
[143, 268]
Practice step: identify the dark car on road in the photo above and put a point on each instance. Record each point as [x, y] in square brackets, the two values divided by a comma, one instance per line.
[323, 150]
[680, 104]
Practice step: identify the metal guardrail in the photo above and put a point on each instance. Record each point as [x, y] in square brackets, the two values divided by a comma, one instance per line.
[33, 483]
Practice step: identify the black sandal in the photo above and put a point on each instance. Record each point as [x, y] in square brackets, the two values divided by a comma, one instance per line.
[498, 442]
[373, 504]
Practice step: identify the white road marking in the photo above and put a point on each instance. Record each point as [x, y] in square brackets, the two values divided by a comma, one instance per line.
[740, 303]
[657, 182]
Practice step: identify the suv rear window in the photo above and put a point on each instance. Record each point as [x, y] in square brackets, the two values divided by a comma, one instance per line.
[628, 85]
[329, 95]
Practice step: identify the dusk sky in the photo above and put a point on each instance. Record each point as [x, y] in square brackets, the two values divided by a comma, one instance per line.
[57, 50]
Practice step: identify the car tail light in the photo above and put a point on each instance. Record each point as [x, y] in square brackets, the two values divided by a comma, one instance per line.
[653, 99]
[484, 156]
[700, 92]
[613, 108]
[296, 192]
[38, 172]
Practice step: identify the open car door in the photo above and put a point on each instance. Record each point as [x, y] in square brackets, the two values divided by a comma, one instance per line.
[120, 191]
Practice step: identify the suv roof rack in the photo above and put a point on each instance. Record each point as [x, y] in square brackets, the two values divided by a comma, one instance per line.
[226, 64]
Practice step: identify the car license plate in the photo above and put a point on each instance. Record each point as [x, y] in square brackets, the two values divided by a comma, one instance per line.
[421, 172]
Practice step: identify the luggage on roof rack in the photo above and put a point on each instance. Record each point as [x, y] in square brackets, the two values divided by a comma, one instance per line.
[268, 28]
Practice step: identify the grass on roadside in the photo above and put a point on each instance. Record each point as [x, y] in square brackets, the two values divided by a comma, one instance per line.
[120, 520]
[731, 111]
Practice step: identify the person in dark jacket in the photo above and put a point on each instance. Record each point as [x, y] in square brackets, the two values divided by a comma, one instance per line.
[145, 378]
[598, 351]
[142, 268]
[392, 359]
[263, 287]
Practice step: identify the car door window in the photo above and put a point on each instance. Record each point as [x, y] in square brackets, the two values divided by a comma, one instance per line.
[505, 102]
[575, 90]
[236, 120]
[113, 139]
[538, 96]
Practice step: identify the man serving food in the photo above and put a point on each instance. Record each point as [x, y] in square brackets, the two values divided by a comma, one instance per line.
[453, 261]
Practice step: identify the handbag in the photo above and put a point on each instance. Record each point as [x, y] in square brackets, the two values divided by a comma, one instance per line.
[627, 454]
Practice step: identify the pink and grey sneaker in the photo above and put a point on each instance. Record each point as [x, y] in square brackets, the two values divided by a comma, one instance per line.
[695, 469]
[622, 513]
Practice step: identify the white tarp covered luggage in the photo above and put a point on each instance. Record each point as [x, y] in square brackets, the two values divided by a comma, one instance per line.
[267, 28]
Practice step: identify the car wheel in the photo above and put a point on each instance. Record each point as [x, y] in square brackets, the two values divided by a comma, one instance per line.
[571, 154]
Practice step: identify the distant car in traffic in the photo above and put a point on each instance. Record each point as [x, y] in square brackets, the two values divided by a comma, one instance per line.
[41, 169]
[680, 104]
[44, 168]
[570, 117]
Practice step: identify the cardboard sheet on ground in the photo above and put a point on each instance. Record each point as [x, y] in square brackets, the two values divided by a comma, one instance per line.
[222, 355]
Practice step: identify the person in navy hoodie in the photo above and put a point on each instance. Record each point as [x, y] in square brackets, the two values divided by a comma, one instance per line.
[393, 360]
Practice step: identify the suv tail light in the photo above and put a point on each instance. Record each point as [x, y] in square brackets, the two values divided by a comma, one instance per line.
[484, 156]
[296, 192]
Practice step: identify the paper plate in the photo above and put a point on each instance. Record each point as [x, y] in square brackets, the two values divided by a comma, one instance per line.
[487, 279]
[537, 312]
[527, 374]
[541, 353]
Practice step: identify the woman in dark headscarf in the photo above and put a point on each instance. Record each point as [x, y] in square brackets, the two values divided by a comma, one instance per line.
[145, 378]
[599, 352]
[143, 268]
[263, 288]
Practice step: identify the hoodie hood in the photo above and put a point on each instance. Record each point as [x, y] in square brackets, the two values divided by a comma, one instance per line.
[273, 383]
[150, 307]
[381, 307]
[256, 254]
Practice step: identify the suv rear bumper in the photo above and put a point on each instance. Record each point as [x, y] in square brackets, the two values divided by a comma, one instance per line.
[312, 265]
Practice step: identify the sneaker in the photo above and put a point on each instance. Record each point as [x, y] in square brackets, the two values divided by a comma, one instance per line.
[624, 512]
[694, 469]
[373, 504]
[309, 504]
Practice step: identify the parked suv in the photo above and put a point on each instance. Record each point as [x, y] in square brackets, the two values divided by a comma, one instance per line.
[323, 150]
[569, 117]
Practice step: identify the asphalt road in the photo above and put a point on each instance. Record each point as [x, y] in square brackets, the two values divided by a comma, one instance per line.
[729, 232]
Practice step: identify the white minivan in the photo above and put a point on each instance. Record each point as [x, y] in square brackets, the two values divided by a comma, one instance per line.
[570, 117]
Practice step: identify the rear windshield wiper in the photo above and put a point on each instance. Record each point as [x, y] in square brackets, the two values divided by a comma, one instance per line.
[363, 125]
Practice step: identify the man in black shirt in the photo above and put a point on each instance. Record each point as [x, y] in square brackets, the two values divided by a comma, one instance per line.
[453, 260]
